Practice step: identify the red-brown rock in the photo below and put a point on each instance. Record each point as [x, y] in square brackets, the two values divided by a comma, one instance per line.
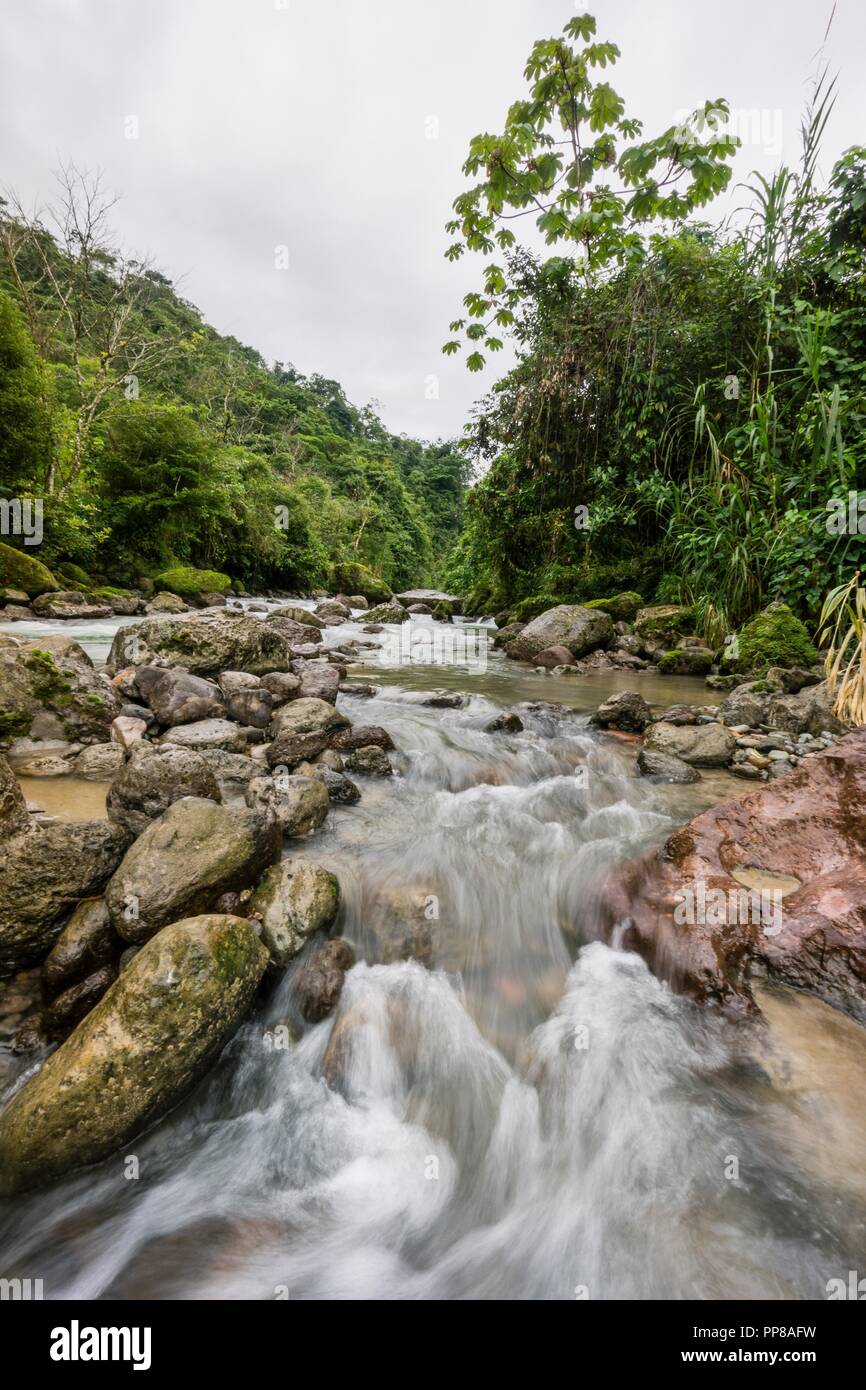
[803, 837]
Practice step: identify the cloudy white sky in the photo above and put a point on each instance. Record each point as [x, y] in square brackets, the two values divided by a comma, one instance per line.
[308, 124]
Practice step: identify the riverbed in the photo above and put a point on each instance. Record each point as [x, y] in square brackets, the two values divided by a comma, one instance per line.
[534, 1116]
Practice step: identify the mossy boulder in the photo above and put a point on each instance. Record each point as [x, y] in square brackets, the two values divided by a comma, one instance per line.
[580, 630]
[47, 869]
[144, 1046]
[192, 583]
[354, 578]
[206, 643]
[659, 628]
[196, 851]
[686, 661]
[18, 570]
[51, 682]
[294, 899]
[775, 637]
[74, 574]
[623, 607]
[529, 608]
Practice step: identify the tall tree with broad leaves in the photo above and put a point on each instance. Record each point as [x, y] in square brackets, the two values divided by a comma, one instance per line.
[570, 157]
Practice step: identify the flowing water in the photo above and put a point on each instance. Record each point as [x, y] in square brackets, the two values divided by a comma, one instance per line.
[527, 1115]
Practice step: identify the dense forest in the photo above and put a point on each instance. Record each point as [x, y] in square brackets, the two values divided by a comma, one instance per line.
[154, 441]
[687, 415]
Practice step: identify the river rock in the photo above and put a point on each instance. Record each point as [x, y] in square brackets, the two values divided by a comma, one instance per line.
[294, 899]
[152, 778]
[47, 869]
[302, 616]
[14, 815]
[361, 736]
[233, 771]
[700, 745]
[183, 861]
[686, 661]
[579, 630]
[294, 633]
[128, 731]
[69, 604]
[319, 680]
[662, 627]
[430, 597]
[504, 724]
[282, 686]
[145, 1044]
[553, 656]
[208, 733]
[665, 767]
[99, 763]
[301, 729]
[251, 707]
[370, 761]
[166, 603]
[231, 681]
[319, 982]
[86, 943]
[300, 804]
[204, 643]
[72, 1004]
[626, 710]
[177, 697]
[332, 613]
[52, 682]
[387, 613]
[801, 837]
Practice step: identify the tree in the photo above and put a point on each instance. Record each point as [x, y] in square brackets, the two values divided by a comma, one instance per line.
[74, 280]
[552, 161]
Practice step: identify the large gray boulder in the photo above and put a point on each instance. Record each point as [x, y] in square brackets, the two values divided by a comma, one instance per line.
[295, 633]
[626, 710]
[178, 697]
[580, 630]
[300, 804]
[319, 680]
[49, 689]
[69, 604]
[153, 777]
[700, 745]
[301, 729]
[294, 899]
[208, 733]
[205, 643]
[47, 869]
[145, 1044]
[185, 861]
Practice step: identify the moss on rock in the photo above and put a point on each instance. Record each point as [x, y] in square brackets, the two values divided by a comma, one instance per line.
[775, 637]
[354, 578]
[189, 583]
[21, 571]
[622, 607]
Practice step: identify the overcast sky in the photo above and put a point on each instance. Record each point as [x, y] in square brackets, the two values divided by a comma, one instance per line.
[337, 128]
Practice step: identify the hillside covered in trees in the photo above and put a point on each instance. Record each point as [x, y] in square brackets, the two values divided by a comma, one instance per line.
[155, 441]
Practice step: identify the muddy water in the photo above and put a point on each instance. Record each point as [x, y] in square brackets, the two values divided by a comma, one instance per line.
[532, 1116]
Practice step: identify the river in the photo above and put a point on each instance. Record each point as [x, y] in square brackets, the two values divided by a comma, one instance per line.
[536, 1116]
